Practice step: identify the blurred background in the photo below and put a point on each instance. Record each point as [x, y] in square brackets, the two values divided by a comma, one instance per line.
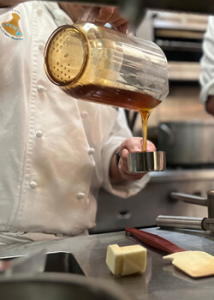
[179, 126]
[180, 36]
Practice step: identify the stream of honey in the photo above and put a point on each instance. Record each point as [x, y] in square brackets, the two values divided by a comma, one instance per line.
[141, 102]
[144, 117]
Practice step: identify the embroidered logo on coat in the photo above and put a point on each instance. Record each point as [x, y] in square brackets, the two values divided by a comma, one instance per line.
[11, 28]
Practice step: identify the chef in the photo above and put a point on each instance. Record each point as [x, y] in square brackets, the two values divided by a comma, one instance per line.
[56, 151]
[207, 69]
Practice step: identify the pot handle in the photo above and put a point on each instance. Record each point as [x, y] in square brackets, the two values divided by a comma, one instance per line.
[188, 198]
[168, 132]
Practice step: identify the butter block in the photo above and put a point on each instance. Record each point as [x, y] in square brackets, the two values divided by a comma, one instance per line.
[194, 263]
[126, 260]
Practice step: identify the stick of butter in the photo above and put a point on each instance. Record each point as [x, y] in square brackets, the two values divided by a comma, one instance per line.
[126, 260]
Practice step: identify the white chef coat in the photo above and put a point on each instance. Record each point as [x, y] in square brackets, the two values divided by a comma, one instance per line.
[55, 150]
[207, 63]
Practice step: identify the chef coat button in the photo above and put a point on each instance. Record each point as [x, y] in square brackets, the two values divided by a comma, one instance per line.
[80, 196]
[91, 151]
[39, 11]
[33, 184]
[41, 47]
[84, 114]
[40, 88]
[39, 134]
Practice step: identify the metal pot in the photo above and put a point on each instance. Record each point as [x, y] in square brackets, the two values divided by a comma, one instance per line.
[58, 286]
[188, 143]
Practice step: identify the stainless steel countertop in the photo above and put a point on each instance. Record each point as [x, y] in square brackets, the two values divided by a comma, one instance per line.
[160, 281]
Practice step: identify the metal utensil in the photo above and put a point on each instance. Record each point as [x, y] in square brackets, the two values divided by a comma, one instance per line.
[209, 201]
[206, 224]
[141, 162]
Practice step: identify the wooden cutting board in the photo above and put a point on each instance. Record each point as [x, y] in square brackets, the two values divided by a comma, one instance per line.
[194, 263]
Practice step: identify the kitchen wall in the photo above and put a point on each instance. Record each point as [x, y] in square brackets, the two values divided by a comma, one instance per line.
[182, 103]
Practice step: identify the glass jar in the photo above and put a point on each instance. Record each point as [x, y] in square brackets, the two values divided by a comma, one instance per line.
[98, 64]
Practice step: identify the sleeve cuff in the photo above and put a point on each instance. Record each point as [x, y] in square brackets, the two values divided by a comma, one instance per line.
[130, 188]
[126, 190]
[207, 91]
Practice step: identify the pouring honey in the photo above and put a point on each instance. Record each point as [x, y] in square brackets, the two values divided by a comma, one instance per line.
[98, 64]
[122, 98]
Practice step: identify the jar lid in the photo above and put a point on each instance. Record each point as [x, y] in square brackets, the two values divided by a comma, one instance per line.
[65, 55]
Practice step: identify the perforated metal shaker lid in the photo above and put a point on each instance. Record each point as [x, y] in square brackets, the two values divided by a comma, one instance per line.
[65, 55]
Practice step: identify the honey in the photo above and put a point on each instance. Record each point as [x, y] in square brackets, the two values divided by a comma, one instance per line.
[141, 102]
[144, 117]
[100, 65]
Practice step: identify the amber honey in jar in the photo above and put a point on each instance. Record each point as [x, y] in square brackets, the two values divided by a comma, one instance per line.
[101, 65]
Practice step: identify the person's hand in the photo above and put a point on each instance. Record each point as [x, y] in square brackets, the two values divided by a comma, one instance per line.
[133, 144]
[105, 15]
[210, 105]
[111, 15]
